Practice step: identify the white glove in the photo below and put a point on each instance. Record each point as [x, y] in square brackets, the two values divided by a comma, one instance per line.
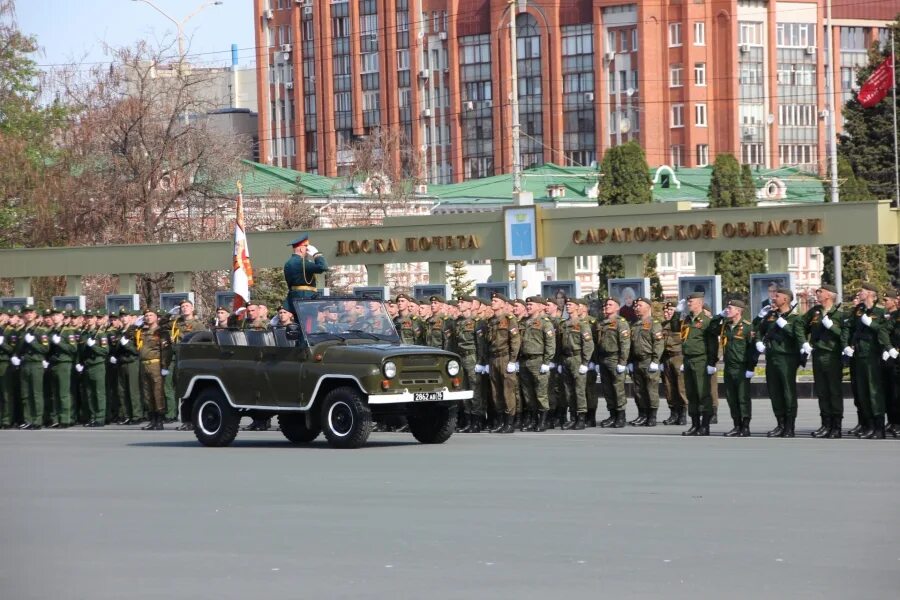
[517, 367]
[680, 306]
[487, 369]
[711, 370]
[582, 369]
[866, 320]
[828, 323]
[760, 347]
[781, 322]
[2, 339]
[654, 367]
[723, 312]
[848, 351]
[620, 369]
[56, 339]
[681, 369]
[591, 366]
[123, 341]
[511, 367]
[29, 338]
[15, 360]
[311, 250]
[559, 369]
[552, 365]
[885, 355]
[749, 374]
[597, 368]
[545, 369]
[139, 321]
[762, 313]
[479, 369]
[164, 372]
[893, 353]
[806, 348]
[91, 342]
[630, 367]
[47, 365]
[79, 368]
[113, 360]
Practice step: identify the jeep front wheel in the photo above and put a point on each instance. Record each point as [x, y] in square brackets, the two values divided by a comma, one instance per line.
[215, 421]
[432, 424]
[346, 420]
[294, 428]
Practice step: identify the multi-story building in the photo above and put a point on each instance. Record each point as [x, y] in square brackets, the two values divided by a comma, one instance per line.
[687, 79]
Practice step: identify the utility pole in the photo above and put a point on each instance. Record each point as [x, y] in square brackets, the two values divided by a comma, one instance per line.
[519, 197]
[832, 143]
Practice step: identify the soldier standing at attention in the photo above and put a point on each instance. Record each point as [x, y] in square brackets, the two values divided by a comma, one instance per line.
[409, 327]
[187, 322]
[522, 420]
[537, 352]
[30, 356]
[591, 387]
[555, 392]
[5, 353]
[891, 370]
[699, 364]
[113, 330]
[736, 341]
[467, 347]
[823, 323]
[647, 346]
[93, 352]
[576, 346]
[155, 354]
[221, 319]
[713, 378]
[129, 372]
[780, 335]
[613, 348]
[63, 349]
[865, 336]
[503, 342]
[301, 269]
[670, 368]
[437, 327]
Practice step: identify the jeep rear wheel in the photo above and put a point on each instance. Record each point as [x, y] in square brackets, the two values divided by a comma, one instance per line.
[346, 420]
[295, 429]
[432, 424]
[215, 421]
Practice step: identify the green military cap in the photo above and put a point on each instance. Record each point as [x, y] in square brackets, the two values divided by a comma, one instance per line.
[53, 311]
[670, 304]
[406, 296]
[436, 298]
[499, 296]
[28, 308]
[828, 288]
[696, 295]
[786, 291]
[890, 293]
[88, 313]
[453, 303]
[737, 303]
[4, 310]
[467, 298]
[535, 299]
[870, 287]
[218, 308]
[77, 313]
[573, 301]
[643, 299]
[519, 301]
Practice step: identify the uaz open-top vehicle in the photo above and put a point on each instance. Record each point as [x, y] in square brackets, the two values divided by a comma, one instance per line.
[335, 370]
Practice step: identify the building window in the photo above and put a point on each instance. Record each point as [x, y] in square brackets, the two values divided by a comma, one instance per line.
[795, 35]
[793, 257]
[750, 33]
[623, 40]
[702, 155]
[853, 39]
[674, 34]
[583, 263]
[678, 115]
[664, 260]
[699, 33]
[797, 155]
[752, 154]
[797, 115]
[634, 40]
[675, 75]
[700, 115]
[751, 73]
[699, 73]
[402, 60]
[677, 154]
[686, 260]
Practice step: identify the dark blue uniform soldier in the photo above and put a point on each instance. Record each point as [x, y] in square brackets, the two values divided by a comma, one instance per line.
[301, 269]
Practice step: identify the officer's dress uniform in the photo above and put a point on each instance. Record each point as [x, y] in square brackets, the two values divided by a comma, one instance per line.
[467, 347]
[93, 354]
[866, 331]
[300, 276]
[698, 351]
[155, 353]
[127, 355]
[647, 346]
[824, 330]
[9, 376]
[62, 355]
[736, 342]
[32, 350]
[782, 341]
[556, 397]
[536, 354]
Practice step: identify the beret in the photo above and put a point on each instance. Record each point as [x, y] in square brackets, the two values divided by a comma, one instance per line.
[890, 294]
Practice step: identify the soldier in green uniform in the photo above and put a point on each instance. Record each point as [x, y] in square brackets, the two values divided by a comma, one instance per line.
[438, 333]
[591, 387]
[187, 322]
[6, 373]
[613, 336]
[63, 351]
[503, 341]
[555, 391]
[576, 347]
[735, 340]
[127, 355]
[823, 324]
[155, 353]
[301, 269]
[410, 329]
[670, 368]
[699, 363]
[257, 320]
[114, 412]
[536, 354]
[30, 355]
[76, 386]
[780, 334]
[524, 418]
[467, 347]
[891, 369]
[92, 355]
[865, 337]
[647, 346]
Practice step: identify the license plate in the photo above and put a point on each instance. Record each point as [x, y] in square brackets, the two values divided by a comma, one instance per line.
[427, 396]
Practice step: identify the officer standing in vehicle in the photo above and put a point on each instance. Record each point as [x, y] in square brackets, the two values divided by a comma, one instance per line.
[647, 346]
[824, 323]
[735, 340]
[301, 269]
[699, 363]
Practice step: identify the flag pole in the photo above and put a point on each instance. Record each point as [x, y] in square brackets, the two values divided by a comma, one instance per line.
[894, 89]
[832, 145]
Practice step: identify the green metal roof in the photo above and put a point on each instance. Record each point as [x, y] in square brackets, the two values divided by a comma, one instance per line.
[265, 180]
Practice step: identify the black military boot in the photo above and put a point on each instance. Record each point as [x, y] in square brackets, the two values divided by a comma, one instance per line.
[745, 427]
[672, 418]
[527, 422]
[591, 420]
[682, 416]
[789, 427]
[499, 424]
[517, 420]
[736, 430]
[151, 424]
[610, 420]
[640, 419]
[866, 428]
[836, 431]
[859, 424]
[186, 426]
[160, 419]
[695, 426]
[877, 432]
[579, 422]
[779, 428]
[510, 424]
[620, 419]
[478, 424]
[651, 418]
[825, 428]
[705, 420]
[714, 420]
[540, 423]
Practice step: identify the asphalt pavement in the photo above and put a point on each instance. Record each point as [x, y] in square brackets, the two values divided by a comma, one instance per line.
[635, 513]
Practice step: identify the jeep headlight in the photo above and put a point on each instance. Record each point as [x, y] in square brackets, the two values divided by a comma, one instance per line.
[452, 368]
[390, 370]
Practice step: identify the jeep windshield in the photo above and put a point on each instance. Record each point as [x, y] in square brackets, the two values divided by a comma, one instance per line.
[345, 319]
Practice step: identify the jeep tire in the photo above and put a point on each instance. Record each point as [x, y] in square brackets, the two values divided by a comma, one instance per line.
[346, 420]
[294, 428]
[432, 423]
[215, 421]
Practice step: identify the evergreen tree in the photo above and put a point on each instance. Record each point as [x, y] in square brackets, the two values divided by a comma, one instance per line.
[458, 279]
[731, 185]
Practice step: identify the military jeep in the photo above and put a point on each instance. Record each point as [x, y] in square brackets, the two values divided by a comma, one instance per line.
[335, 370]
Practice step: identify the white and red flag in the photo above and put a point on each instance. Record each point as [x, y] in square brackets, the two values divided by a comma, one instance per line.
[878, 84]
[241, 270]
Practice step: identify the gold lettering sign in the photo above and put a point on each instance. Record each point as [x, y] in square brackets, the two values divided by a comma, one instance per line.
[411, 244]
[708, 230]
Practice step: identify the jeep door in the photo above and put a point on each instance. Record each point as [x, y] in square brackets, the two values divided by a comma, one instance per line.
[238, 365]
[278, 370]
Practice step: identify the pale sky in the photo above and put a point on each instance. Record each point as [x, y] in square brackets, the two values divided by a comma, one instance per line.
[76, 30]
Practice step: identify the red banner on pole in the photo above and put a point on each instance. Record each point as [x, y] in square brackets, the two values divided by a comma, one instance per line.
[878, 84]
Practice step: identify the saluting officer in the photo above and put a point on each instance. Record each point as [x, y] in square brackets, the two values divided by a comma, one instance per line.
[699, 363]
[301, 269]
[538, 350]
[503, 341]
[824, 323]
[186, 323]
[92, 355]
[670, 368]
[891, 368]
[155, 352]
[647, 346]
[780, 334]
[613, 335]
[129, 371]
[575, 352]
[735, 340]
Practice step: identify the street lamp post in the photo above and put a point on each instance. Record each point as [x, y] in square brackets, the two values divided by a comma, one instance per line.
[179, 25]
